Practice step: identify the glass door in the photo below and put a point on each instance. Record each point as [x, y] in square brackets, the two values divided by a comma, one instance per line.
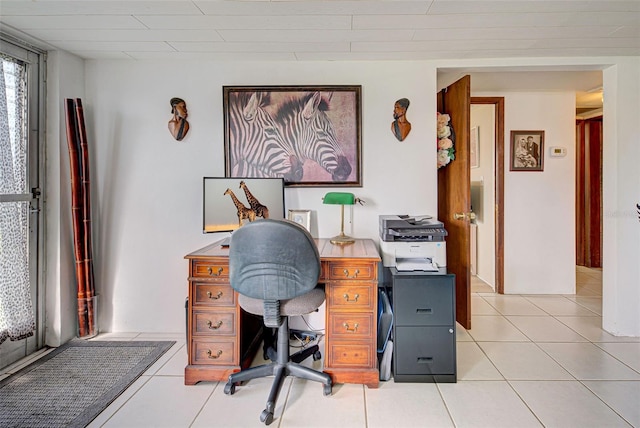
[21, 215]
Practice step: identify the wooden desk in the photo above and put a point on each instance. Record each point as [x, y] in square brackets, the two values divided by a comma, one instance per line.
[218, 330]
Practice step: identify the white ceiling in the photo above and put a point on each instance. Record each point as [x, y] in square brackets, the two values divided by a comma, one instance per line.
[330, 30]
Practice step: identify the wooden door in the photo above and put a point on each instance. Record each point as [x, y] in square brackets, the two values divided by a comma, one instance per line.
[454, 197]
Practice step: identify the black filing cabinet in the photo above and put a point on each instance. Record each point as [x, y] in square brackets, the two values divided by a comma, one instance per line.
[424, 328]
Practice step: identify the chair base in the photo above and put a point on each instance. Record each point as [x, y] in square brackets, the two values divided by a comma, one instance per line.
[281, 368]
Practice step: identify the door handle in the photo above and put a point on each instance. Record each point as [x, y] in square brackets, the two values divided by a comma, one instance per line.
[462, 216]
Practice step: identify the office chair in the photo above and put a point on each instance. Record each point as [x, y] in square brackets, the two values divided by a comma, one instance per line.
[274, 265]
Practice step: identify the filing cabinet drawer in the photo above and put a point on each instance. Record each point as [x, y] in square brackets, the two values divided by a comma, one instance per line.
[211, 294]
[351, 326]
[213, 351]
[424, 301]
[214, 322]
[210, 270]
[425, 350]
[349, 354]
[351, 271]
[351, 297]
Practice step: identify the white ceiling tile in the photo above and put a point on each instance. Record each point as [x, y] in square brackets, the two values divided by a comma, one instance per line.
[618, 42]
[455, 45]
[143, 35]
[626, 31]
[450, 22]
[114, 46]
[337, 22]
[72, 22]
[260, 47]
[39, 8]
[512, 33]
[377, 56]
[102, 54]
[565, 52]
[219, 56]
[316, 35]
[363, 7]
[501, 6]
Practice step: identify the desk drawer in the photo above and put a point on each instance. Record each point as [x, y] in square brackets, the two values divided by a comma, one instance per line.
[210, 270]
[351, 297]
[214, 322]
[351, 271]
[357, 326]
[213, 351]
[214, 294]
[350, 354]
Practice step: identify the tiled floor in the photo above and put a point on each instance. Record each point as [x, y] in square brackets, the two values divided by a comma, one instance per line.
[527, 361]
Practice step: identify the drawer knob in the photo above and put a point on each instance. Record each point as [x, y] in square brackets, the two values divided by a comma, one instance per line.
[216, 297]
[214, 357]
[212, 273]
[214, 327]
[354, 329]
[355, 297]
[355, 274]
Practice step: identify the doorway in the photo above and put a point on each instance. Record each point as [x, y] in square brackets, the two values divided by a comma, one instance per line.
[487, 196]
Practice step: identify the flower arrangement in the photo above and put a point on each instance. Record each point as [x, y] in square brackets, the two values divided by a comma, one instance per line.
[446, 140]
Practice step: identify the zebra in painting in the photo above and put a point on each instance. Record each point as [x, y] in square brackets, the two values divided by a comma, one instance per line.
[256, 147]
[305, 124]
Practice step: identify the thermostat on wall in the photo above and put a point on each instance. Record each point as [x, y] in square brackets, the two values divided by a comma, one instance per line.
[558, 151]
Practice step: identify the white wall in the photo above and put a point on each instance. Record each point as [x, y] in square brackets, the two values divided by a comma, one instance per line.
[65, 79]
[621, 193]
[483, 116]
[146, 200]
[539, 228]
[147, 205]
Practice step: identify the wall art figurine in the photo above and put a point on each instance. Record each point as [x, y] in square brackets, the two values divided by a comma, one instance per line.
[178, 125]
[400, 125]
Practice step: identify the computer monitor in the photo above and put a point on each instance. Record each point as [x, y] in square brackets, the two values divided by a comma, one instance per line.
[230, 202]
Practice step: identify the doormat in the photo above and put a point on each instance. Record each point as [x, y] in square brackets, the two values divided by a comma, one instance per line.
[71, 385]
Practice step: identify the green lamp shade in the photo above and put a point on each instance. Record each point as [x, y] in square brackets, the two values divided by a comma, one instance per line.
[339, 198]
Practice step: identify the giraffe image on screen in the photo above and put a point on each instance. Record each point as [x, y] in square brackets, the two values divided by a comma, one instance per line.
[256, 206]
[243, 211]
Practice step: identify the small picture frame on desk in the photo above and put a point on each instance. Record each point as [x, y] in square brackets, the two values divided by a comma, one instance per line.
[302, 217]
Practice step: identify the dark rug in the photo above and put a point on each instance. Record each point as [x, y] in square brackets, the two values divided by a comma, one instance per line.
[71, 385]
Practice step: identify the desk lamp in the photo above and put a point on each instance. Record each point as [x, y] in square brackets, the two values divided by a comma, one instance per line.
[342, 199]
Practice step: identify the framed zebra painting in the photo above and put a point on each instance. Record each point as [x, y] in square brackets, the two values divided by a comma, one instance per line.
[308, 135]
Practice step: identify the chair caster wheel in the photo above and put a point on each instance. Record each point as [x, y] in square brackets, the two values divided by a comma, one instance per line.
[326, 390]
[230, 388]
[317, 355]
[266, 417]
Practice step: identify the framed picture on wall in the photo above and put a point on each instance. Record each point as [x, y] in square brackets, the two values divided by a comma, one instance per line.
[308, 135]
[474, 154]
[527, 151]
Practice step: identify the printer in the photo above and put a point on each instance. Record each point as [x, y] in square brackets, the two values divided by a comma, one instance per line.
[412, 243]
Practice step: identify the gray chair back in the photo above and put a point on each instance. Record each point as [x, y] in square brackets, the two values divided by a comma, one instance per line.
[273, 260]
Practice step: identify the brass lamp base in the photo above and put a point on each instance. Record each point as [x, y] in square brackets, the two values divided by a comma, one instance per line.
[342, 239]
